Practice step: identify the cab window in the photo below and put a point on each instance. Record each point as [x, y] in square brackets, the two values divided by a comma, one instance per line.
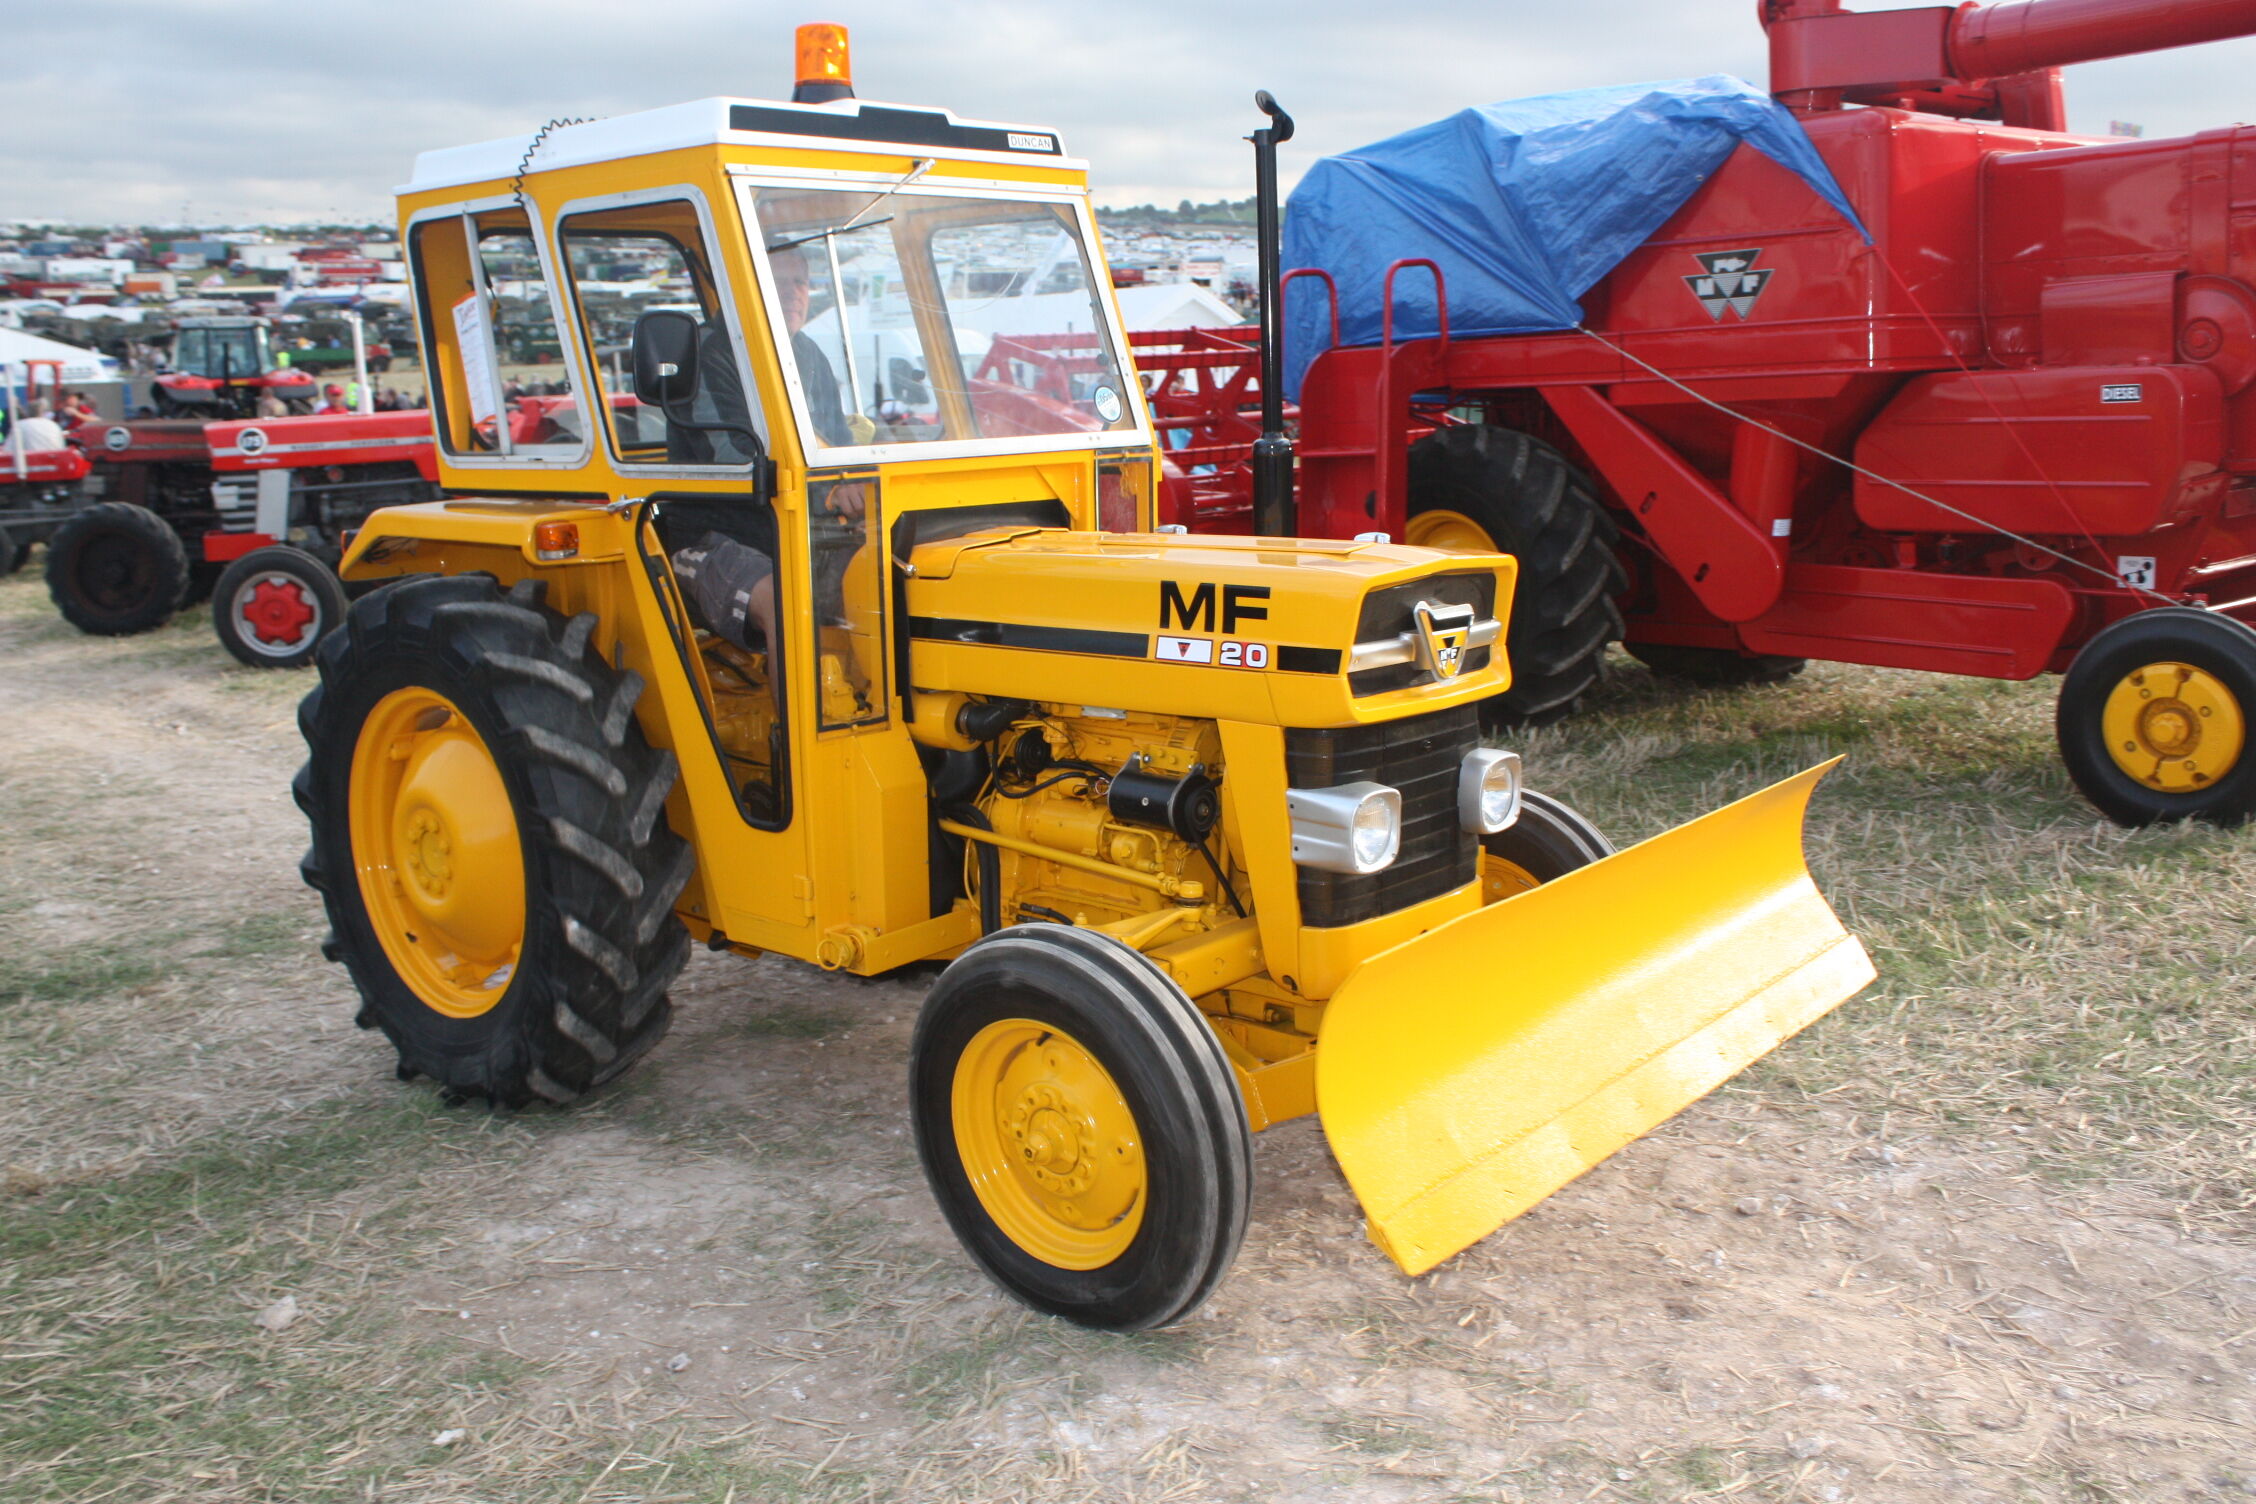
[503, 385]
[643, 258]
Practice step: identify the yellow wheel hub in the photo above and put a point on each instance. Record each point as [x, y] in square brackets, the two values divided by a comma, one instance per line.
[442, 872]
[1501, 879]
[2174, 727]
[1049, 1144]
[1445, 529]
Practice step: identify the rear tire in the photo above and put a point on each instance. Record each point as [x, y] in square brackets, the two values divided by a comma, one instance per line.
[1548, 840]
[492, 713]
[2157, 719]
[1529, 502]
[1721, 668]
[1080, 1127]
[273, 606]
[12, 553]
[114, 569]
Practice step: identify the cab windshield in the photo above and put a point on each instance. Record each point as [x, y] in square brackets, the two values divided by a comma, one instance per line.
[920, 318]
[218, 352]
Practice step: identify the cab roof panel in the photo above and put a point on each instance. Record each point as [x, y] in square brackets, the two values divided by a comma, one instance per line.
[842, 125]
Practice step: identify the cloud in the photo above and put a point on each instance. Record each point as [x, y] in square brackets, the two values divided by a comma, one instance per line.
[220, 110]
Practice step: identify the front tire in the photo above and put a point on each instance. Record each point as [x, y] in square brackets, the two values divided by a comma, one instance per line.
[272, 607]
[115, 569]
[2157, 719]
[1080, 1127]
[490, 840]
[1548, 840]
[1475, 486]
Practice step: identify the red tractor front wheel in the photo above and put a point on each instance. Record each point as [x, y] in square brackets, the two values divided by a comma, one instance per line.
[272, 607]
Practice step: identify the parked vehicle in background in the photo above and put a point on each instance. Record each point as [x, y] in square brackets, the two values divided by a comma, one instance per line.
[221, 367]
[255, 514]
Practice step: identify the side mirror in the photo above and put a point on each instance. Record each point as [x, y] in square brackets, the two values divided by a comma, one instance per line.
[665, 358]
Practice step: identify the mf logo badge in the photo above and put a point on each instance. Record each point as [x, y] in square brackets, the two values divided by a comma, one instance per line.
[1731, 281]
[1444, 633]
[251, 441]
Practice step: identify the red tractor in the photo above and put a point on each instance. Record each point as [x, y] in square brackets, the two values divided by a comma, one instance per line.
[38, 487]
[1998, 418]
[253, 513]
[221, 367]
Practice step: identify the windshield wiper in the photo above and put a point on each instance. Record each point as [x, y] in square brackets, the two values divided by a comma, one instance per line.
[825, 234]
[829, 238]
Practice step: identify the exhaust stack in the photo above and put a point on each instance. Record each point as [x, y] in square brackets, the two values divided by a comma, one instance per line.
[1273, 509]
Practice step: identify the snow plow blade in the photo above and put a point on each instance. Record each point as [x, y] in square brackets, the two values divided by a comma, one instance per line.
[1467, 1074]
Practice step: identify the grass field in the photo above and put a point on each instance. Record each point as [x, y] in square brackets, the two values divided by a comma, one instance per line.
[1983, 1234]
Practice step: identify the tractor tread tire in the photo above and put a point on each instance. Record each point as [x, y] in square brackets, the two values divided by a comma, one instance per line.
[1716, 668]
[161, 571]
[1169, 1065]
[1540, 509]
[602, 943]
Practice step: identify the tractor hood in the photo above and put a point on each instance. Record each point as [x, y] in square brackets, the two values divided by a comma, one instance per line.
[1288, 631]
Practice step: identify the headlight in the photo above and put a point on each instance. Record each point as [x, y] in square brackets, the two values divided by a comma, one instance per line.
[1488, 790]
[1355, 828]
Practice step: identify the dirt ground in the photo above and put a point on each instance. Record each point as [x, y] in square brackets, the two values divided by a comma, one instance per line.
[1982, 1235]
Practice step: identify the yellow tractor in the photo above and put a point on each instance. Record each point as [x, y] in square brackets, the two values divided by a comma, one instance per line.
[823, 615]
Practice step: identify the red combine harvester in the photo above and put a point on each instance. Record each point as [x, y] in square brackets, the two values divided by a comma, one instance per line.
[2012, 433]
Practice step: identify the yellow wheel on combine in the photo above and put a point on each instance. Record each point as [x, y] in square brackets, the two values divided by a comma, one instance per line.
[1496, 490]
[1080, 1127]
[2157, 718]
[489, 838]
[1548, 840]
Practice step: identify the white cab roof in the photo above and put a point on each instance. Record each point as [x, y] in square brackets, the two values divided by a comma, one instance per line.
[843, 125]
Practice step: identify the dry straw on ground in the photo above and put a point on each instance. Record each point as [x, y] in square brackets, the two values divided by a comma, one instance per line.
[1984, 1234]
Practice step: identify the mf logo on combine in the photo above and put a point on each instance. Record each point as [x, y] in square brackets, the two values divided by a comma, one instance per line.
[1731, 281]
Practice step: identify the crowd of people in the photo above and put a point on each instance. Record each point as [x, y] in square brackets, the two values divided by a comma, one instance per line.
[40, 424]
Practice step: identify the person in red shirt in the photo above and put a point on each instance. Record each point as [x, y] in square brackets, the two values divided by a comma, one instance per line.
[76, 411]
[336, 402]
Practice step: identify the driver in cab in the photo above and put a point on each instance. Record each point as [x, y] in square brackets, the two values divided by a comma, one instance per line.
[730, 583]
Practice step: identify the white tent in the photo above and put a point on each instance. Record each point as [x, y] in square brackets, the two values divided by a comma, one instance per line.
[16, 347]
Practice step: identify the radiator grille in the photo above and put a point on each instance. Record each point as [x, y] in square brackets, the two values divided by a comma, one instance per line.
[1419, 756]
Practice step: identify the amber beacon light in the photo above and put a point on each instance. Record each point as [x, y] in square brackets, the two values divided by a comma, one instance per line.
[824, 72]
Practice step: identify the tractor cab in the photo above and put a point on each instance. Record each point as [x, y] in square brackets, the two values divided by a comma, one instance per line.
[222, 366]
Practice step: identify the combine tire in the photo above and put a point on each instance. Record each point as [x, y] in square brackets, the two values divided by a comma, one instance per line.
[2157, 718]
[1721, 668]
[1548, 840]
[273, 606]
[1080, 1127]
[490, 840]
[115, 569]
[1479, 487]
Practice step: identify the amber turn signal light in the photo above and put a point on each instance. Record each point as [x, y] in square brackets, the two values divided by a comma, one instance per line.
[555, 540]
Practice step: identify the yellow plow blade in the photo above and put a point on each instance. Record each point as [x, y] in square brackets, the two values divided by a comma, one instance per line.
[1469, 1073]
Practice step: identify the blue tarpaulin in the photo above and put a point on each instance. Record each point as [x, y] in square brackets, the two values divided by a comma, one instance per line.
[1525, 205]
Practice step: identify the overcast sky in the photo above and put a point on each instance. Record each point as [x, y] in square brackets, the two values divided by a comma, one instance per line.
[221, 111]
